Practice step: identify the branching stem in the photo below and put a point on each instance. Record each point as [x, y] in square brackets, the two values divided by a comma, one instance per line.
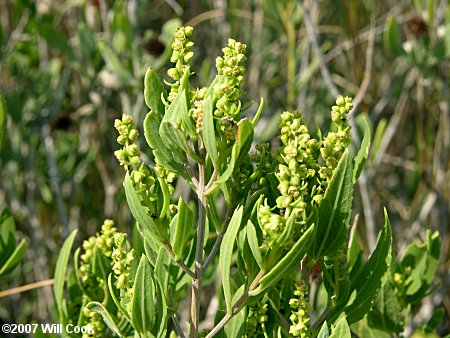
[238, 306]
[196, 281]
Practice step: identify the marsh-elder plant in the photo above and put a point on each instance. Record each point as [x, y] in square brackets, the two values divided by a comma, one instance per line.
[269, 228]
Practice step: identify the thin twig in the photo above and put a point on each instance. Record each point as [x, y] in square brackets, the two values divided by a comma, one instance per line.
[322, 65]
[394, 122]
[27, 287]
[178, 260]
[367, 71]
[196, 282]
[177, 325]
[218, 241]
[237, 306]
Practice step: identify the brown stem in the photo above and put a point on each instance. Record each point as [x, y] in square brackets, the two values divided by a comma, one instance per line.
[178, 260]
[238, 306]
[218, 241]
[196, 281]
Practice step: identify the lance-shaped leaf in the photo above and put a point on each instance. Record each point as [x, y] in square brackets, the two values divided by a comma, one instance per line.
[386, 313]
[164, 155]
[183, 228]
[341, 330]
[363, 153]
[170, 129]
[244, 138]
[423, 260]
[142, 306]
[226, 251]
[140, 212]
[235, 327]
[324, 332]
[334, 211]
[287, 264]
[252, 239]
[107, 318]
[153, 89]
[392, 36]
[14, 259]
[369, 279]
[60, 272]
[208, 130]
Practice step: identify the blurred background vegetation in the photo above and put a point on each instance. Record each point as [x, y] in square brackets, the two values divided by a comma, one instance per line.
[69, 68]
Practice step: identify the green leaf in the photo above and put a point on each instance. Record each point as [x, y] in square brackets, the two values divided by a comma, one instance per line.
[324, 332]
[287, 264]
[153, 89]
[112, 292]
[226, 251]
[143, 309]
[164, 155]
[341, 330]
[353, 245]
[392, 36]
[184, 228]
[7, 236]
[107, 318]
[368, 280]
[209, 132]
[363, 330]
[363, 153]
[170, 129]
[258, 112]
[14, 259]
[2, 121]
[386, 313]
[140, 212]
[334, 211]
[423, 260]
[60, 271]
[254, 245]
[235, 327]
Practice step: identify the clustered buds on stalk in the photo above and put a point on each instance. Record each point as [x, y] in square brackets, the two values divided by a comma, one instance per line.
[123, 260]
[95, 285]
[197, 110]
[300, 307]
[335, 143]
[182, 55]
[305, 167]
[256, 319]
[129, 157]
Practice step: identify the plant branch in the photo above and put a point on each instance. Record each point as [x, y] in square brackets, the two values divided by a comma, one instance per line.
[237, 306]
[177, 325]
[27, 287]
[178, 260]
[196, 282]
[218, 241]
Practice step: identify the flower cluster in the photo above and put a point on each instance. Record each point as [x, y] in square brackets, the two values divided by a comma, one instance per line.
[298, 163]
[103, 241]
[182, 55]
[230, 68]
[300, 307]
[196, 112]
[129, 155]
[335, 143]
[272, 224]
[123, 260]
[256, 319]
[95, 321]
